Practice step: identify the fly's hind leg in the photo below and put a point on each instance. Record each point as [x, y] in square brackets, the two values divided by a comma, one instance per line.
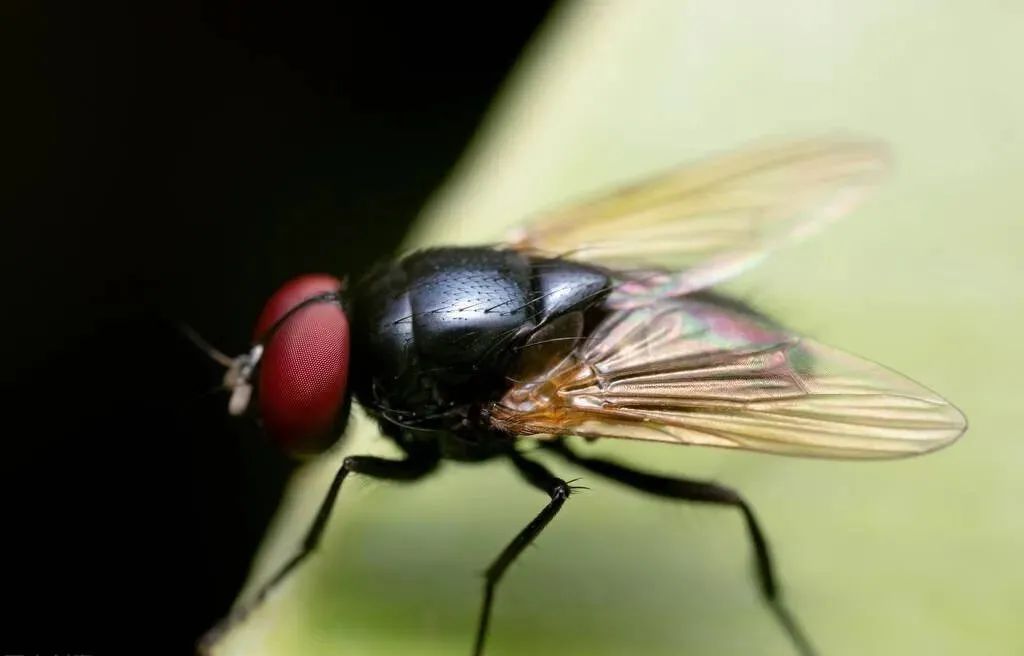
[683, 489]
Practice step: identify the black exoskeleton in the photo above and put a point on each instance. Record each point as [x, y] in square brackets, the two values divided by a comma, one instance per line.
[436, 333]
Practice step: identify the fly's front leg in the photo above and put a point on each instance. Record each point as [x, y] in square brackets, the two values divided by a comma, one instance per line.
[683, 489]
[555, 488]
[416, 465]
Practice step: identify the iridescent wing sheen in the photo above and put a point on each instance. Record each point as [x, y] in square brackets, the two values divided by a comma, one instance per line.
[715, 219]
[704, 371]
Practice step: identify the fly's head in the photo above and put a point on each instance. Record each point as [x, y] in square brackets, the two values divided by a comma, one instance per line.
[295, 375]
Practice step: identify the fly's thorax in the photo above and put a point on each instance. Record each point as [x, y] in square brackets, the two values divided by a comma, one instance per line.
[439, 325]
[445, 329]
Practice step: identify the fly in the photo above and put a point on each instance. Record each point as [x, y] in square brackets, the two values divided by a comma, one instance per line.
[594, 321]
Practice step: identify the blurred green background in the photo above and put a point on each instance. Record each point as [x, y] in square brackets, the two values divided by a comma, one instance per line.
[909, 557]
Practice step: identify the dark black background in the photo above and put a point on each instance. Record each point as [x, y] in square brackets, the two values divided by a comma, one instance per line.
[179, 162]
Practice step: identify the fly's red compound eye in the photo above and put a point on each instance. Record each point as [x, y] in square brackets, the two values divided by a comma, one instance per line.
[304, 367]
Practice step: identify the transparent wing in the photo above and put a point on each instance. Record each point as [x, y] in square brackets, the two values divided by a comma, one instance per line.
[714, 219]
[705, 371]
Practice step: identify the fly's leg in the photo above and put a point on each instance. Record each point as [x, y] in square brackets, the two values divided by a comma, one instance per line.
[702, 492]
[416, 465]
[559, 491]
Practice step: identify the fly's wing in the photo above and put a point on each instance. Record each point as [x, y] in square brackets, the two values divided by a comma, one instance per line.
[714, 219]
[708, 372]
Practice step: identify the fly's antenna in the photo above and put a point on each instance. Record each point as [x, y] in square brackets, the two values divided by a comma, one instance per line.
[204, 346]
[239, 370]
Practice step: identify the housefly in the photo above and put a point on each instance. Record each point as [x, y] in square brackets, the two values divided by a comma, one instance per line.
[594, 321]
